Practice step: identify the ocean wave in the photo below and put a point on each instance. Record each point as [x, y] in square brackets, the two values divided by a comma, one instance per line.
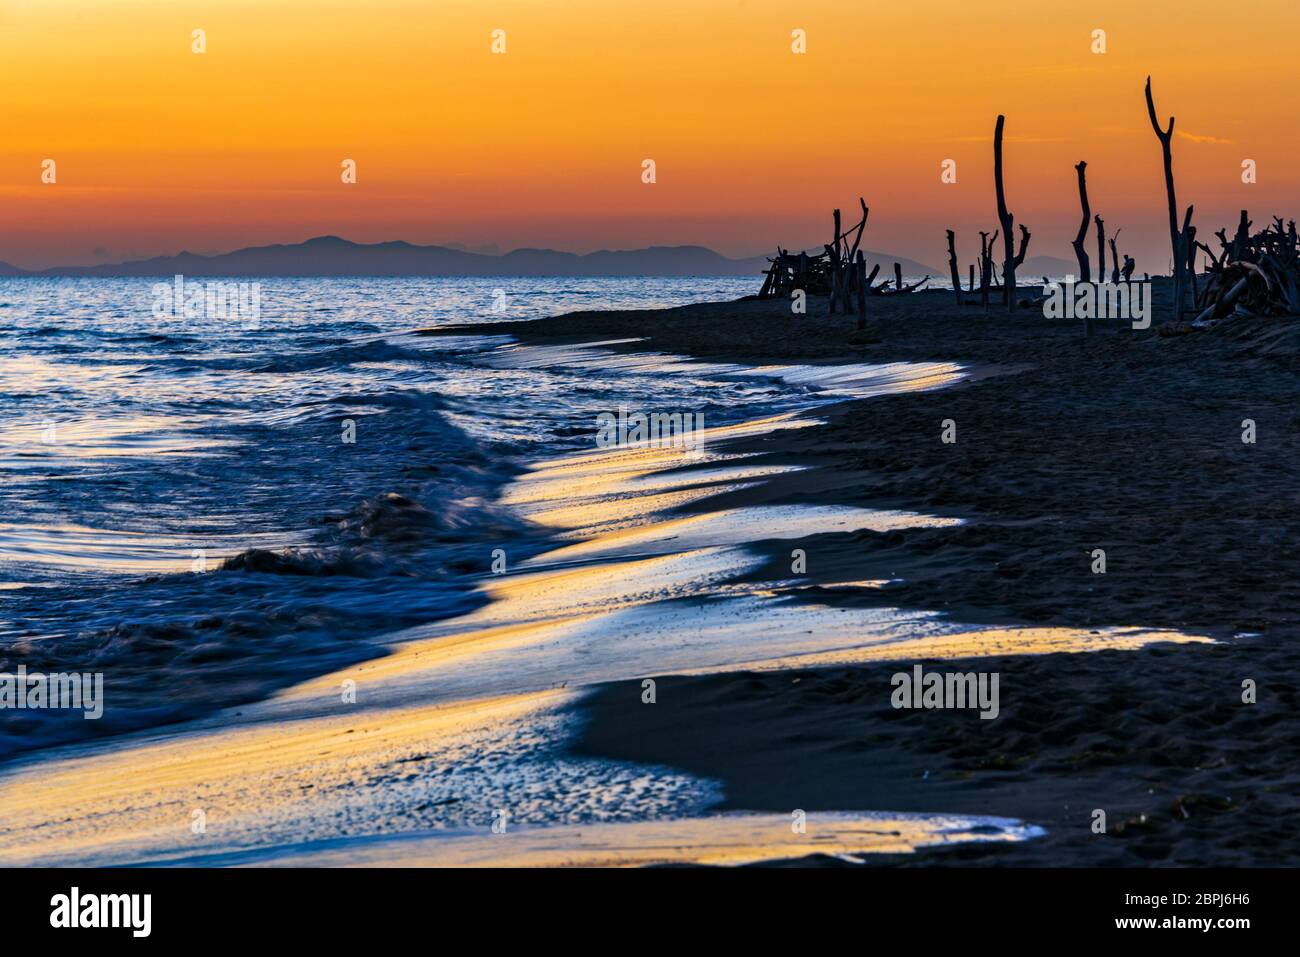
[379, 350]
[351, 478]
[174, 647]
[186, 645]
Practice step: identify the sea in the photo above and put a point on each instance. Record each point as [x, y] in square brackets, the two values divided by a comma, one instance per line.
[205, 505]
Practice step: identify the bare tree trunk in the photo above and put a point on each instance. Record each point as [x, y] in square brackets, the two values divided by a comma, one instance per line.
[898, 277]
[1175, 240]
[1081, 254]
[984, 270]
[837, 280]
[862, 289]
[986, 266]
[1010, 260]
[1187, 245]
[1242, 238]
[1019, 259]
[862, 227]
[952, 266]
[1101, 249]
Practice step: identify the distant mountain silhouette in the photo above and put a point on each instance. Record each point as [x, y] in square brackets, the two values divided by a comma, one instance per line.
[8, 270]
[333, 256]
[1051, 266]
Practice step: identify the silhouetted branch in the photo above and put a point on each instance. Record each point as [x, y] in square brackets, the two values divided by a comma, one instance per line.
[952, 265]
[1175, 238]
[1081, 254]
[1010, 260]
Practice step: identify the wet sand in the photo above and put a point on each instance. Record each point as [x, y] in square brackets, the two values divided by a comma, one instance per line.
[1126, 441]
[409, 757]
[714, 840]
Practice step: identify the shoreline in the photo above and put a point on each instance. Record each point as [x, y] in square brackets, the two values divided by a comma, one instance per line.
[813, 729]
[463, 715]
[1043, 401]
[1086, 443]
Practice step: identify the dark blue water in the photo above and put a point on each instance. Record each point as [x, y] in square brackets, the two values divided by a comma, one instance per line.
[208, 508]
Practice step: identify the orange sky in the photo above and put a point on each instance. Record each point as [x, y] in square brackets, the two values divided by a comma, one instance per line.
[160, 149]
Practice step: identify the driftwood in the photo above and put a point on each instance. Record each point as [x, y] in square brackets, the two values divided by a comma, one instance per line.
[871, 278]
[986, 266]
[952, 265]
[1101, 248]
[817, 274]
[1177, 238]
[861, 275]
[1081, 254]
[1253, 275]
[1011, 259]
[847, 271]
[839, 271]
[897, 283]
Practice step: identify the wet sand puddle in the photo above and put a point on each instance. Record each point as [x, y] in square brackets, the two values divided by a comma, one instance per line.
[467, 721]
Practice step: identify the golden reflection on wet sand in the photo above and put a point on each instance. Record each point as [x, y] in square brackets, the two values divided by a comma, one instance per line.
[719, 840]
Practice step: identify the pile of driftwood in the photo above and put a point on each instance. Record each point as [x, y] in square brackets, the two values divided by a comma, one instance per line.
[1252, 275]
[789, 272]
[838, 271]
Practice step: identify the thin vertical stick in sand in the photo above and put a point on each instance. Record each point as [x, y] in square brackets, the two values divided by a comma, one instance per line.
[1011, 259]
[1080, 253]
[1101, 248]
[1175, 239]
[952, 265]
[862, 289]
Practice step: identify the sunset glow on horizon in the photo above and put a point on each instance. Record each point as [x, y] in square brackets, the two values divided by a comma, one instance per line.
[160, 149]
